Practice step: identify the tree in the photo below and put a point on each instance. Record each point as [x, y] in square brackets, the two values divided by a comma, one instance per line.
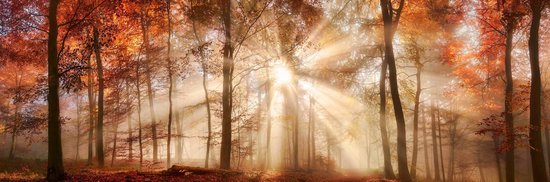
[56, 172]
[391, 19]
[388, 170]
[228, 66]
[100, 103]
[535, 137]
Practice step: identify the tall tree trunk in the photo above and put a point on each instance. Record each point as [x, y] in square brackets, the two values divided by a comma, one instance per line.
[179, 146]
[390, 25]
[113, 153]
[388, 169]
[91, 113]
[208, 114]
[138, 91]
[425, 142]
[171, 82]
[145, 35]
[440, 145]
[434, 145]
[509, 94]
[55, 152]
[452, 144]
[129, 120]
[99, 126]
[535, 138]
[227, 99]
[77, 127]
[418, 66]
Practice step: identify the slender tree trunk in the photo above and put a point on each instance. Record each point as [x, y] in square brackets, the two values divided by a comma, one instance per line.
[16, 125]
[440, 145]
[425, 142]
[452, 144]
[434, 146]
[13, 140]
[170, 89]
[390, 25]
[129, 120]
[227, 100]
[91, 113]
[55, 152]
[509, 93]
[388, 169]
[535, 138]
[99, 126]
[418, 66]
[179, 149]
[145, 34]
[113, 153]
[138, 91]
[77, 128]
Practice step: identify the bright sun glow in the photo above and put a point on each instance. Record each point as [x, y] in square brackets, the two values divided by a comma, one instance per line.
[282, 75]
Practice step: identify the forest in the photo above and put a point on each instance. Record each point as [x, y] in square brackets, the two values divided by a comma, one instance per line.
[275, 90]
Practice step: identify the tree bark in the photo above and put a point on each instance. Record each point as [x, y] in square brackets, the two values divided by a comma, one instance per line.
[425, 142]
[390, 25]
[227, 99]
[91, 113]
[99, 126]
[509, 94]
[535, 138]
[388, 169]
[440, 145]
[418, 66]
[434, 146]
[138, 91]
[56, 171]
[170, 89]
[129, 120]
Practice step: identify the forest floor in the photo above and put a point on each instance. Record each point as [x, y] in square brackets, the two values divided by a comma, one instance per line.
[34, 170]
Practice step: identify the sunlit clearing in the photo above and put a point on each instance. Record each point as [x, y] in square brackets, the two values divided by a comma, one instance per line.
[282, 75]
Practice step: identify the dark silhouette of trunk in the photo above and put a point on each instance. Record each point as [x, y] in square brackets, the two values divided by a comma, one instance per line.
[16, 120]
[138, 91]
[99, 126]
[418, 66]
[170, 88]
[434, 145]
[452, 144]
[388, 170]
[480, 167]
[440, 144]
[208, 114]
[206, 97]
[509, 93]
[535, 138]
[227, 99]
[391, 19]
[91, 113]
[425, 142]
[179, 147]
[55, 153]
[77, 128]
[145, 35]
[113, 153]
[129, 120]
